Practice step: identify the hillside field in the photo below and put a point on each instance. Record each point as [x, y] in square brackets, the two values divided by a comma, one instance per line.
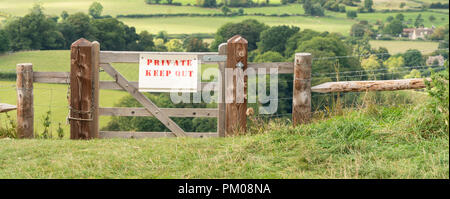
[395, 47]
[333, 22]
[359, 144]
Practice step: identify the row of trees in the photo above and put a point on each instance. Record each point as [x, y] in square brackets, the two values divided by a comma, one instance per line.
[36, 31]
[317, 7]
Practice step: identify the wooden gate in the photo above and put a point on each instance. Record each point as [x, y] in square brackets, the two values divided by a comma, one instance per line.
[84, 110]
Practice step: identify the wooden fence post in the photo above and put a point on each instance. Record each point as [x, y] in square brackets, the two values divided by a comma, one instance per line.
[25, 107]
[236, 118]
[83, 103]
[221, 102]
[301, 101]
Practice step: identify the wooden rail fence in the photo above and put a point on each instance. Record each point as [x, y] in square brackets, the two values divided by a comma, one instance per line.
[84, 110]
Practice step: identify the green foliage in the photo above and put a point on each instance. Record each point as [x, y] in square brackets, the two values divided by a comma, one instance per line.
[9, 130]
[394, 28]
[419, 21]
[46, 122]
[370, 64]
[438, 89]
[34, 31]
[368, 5]
[361, 29]
[250, 29]
[75, 26]
[313, 9]
[395, 64]
[4, 42]
[162, 35]
[207, 3]
[352, 14]
[275, 38]
[114, 34]
[95, 9]
[329, 45]
[414, 73]
[413, 57]
[60, 131]
[154, 125]
[195, 44]
[269, 56]
[145, 41]
[225, 10]
[174, 45]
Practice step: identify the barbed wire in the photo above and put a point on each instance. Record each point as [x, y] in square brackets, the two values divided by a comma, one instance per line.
[368, 55]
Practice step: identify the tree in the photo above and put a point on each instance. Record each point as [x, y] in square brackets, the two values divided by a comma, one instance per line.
[352, 14]
[162, 35]
[250, 29]
[370, 65]
[275, 38]
[389, 18]
[76, 26]
[358, 30]
[225, 10]
[413, 57]
[159, 45]
[269, 56]
[34, 31]
[64, 15]
[400, 17]
[207, 3]
[114, 34]
[195, 44]
[395, 64]
[419, 21]
[393, 28]
[414, 73]
[96, 9]
[431, 18]
[145, 42]
[4, 42]
[312, 9]
[402, 4]
[368, 5]
[174, 45]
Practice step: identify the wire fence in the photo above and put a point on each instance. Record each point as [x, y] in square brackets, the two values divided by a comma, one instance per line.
[322, 103]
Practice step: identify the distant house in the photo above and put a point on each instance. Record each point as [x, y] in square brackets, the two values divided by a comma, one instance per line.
[432, 60]
[415, 33]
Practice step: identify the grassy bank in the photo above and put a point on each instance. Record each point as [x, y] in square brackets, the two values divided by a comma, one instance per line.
[370, 143]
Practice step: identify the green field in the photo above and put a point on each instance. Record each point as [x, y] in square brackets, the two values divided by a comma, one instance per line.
[395, 47]
[334, 22]
[360, 144]
[177, 25]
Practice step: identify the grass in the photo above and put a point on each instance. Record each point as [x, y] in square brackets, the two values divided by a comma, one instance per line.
[334, 22]
[110, 7]
[178, 25]
[357, 144]
[395, 47]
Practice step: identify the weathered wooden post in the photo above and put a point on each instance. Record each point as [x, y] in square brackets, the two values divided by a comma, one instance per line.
[221, 104]
[301, 101]
[83, 103]
[25, 107]
[235, 109]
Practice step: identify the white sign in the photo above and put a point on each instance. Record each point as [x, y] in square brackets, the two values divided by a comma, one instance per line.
[168, 73]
